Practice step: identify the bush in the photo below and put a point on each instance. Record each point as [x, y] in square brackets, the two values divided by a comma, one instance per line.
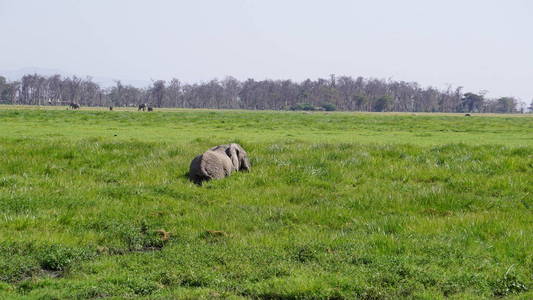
[310, 107]
[303, 106]
[329, 107]
[508, 285]
[59, 258]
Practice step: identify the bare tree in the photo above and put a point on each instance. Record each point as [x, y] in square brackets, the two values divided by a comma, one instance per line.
[335, 92]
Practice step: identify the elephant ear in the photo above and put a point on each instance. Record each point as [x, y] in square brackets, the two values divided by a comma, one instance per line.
[234, 156]
[244, 162]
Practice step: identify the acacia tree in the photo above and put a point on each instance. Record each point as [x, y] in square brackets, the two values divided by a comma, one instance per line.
[472, 102]
[384, 103]
[173, 94]
[157, 92]
[506, 105]
[3, 88]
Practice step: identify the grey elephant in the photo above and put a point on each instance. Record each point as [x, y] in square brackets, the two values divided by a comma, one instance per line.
[73, 105]
[218, 162]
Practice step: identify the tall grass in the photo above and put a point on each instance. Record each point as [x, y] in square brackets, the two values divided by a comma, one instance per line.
[336, 206]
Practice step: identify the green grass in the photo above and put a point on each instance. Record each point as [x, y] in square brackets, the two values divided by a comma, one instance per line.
[341, 205]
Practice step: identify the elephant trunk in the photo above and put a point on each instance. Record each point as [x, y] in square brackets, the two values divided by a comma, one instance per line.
[245, 164]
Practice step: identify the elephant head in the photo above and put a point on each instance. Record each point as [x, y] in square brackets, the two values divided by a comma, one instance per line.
[239, 157]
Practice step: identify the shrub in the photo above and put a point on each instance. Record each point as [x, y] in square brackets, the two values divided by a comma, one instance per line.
[329, 107]
[507, 285]
[303, 106]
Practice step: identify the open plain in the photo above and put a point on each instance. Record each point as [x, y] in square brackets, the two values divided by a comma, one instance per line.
[97, 203]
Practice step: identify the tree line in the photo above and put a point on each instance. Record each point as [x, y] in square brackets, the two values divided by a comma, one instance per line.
[333, 93]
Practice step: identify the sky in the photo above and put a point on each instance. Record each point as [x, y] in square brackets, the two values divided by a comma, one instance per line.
[477, 44]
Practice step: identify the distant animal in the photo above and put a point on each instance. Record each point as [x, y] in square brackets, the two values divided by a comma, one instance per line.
[73, 105]
[150, 108]
[142, 107]
[468, 115]
[111, 108]
[218, 162]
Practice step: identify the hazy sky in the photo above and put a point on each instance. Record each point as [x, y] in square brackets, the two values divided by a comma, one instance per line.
[478, 44]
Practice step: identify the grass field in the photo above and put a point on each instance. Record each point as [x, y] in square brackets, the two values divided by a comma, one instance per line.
[338, 205]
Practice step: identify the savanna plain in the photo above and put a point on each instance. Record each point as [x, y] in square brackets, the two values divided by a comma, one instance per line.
[97, 204]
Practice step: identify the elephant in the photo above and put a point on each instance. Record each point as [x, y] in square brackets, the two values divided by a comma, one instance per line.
[218, 162]
[73, 105]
